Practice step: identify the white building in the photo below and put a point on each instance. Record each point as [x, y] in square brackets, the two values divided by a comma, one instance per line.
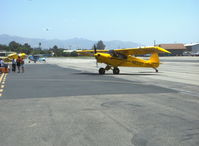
[194, 48]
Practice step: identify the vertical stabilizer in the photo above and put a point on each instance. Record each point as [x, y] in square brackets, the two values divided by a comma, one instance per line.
[154, 58]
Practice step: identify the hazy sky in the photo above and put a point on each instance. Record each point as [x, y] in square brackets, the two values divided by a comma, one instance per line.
[142, 21]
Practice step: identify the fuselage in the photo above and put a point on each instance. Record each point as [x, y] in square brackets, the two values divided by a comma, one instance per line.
[126, 61]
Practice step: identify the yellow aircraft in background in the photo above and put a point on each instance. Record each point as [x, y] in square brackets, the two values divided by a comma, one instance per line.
[11, 56]
[125, 57]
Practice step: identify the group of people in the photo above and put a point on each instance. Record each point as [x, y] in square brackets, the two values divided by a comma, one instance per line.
[19, 63]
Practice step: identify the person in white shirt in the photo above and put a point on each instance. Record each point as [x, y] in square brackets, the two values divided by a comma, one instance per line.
[1, 63]
[13, 65]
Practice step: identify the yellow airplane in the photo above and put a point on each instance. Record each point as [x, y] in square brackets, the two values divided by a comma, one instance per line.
[11, 56]
[125, 57]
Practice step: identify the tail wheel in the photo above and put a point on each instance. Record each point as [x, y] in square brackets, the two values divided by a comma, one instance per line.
[116, 70]
[101, 71]
[156, 70]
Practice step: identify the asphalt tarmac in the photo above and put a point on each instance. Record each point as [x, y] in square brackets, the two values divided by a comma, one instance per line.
[54, 106]
[52, 81]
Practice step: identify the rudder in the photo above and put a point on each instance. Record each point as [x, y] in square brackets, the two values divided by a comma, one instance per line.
[154, 59]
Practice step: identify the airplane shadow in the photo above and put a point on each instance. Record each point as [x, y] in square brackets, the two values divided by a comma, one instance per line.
[133, 74]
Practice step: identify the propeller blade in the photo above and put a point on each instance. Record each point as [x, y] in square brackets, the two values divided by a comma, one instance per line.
[95, 50]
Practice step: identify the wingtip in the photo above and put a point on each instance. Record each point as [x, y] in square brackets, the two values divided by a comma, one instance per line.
[164, 50]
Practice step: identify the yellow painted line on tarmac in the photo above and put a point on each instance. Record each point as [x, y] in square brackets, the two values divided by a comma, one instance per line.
[2, 75]
[2, 81]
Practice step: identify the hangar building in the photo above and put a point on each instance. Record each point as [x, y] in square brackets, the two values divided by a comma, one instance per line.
[194, 48]
[175, 49]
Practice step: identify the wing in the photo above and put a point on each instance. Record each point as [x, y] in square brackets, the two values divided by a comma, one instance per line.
[90, 52]
[5, 59]
[141, 51]
[13, 56]
[23, 55]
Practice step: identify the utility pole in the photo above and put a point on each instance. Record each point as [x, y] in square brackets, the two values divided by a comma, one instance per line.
[39, 45]
[154, 43]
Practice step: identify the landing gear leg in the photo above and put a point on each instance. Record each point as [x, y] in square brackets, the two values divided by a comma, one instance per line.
[108, 67]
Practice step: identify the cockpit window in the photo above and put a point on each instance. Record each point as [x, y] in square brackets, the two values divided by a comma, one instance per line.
[116, 54]
[112, 53]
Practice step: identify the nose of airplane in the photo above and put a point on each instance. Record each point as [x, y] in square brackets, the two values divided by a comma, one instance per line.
[97, 55]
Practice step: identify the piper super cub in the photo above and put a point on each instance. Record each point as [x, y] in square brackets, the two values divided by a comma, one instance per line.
[125, 57]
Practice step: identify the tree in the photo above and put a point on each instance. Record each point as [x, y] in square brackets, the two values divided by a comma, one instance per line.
[4, 47]
[74, 54]
[55, 47]
[36, 51]
[100, 45]
[26, 48]
[57, 51]
[14, 46]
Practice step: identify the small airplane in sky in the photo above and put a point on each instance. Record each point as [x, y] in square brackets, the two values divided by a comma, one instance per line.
[125, 57]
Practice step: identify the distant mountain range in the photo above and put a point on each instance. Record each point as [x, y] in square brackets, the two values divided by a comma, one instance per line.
[74, 43]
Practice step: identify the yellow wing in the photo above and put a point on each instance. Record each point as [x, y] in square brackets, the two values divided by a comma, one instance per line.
[23, 55]
[13, 56]
[141, 51]
[90, 52]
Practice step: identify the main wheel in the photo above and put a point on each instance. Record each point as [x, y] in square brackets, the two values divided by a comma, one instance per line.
[101, 71]
[116, 70]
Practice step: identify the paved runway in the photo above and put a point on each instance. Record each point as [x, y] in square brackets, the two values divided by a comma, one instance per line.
[49, 105]
[52, 81]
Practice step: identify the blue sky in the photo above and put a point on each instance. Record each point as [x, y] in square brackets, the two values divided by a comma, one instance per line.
[142, 21]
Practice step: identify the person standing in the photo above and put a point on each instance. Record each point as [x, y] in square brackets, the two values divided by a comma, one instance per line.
[18, 63]
[13, 65]
[1, 63]
[22, 65]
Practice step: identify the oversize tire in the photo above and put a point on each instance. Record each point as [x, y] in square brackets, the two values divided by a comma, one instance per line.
[116, 70]
[101, 71]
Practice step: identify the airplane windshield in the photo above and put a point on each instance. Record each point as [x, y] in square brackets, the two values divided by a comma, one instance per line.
[116, 54]
[112, 53]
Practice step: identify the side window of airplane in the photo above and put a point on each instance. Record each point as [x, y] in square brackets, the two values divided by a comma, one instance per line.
[121, 56]
[113, 53]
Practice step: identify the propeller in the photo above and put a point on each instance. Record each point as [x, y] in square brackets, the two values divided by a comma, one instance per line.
[95, 50]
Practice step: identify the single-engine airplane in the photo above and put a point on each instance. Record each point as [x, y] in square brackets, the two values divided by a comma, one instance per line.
[35, 58]
[14, 55]
[124, 57]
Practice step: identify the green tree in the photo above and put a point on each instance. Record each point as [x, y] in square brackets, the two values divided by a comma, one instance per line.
[36, 51]
[14, 46]
[74, 54]
[26, 48]
[4, 47]
[57, 51]
[100, 45]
